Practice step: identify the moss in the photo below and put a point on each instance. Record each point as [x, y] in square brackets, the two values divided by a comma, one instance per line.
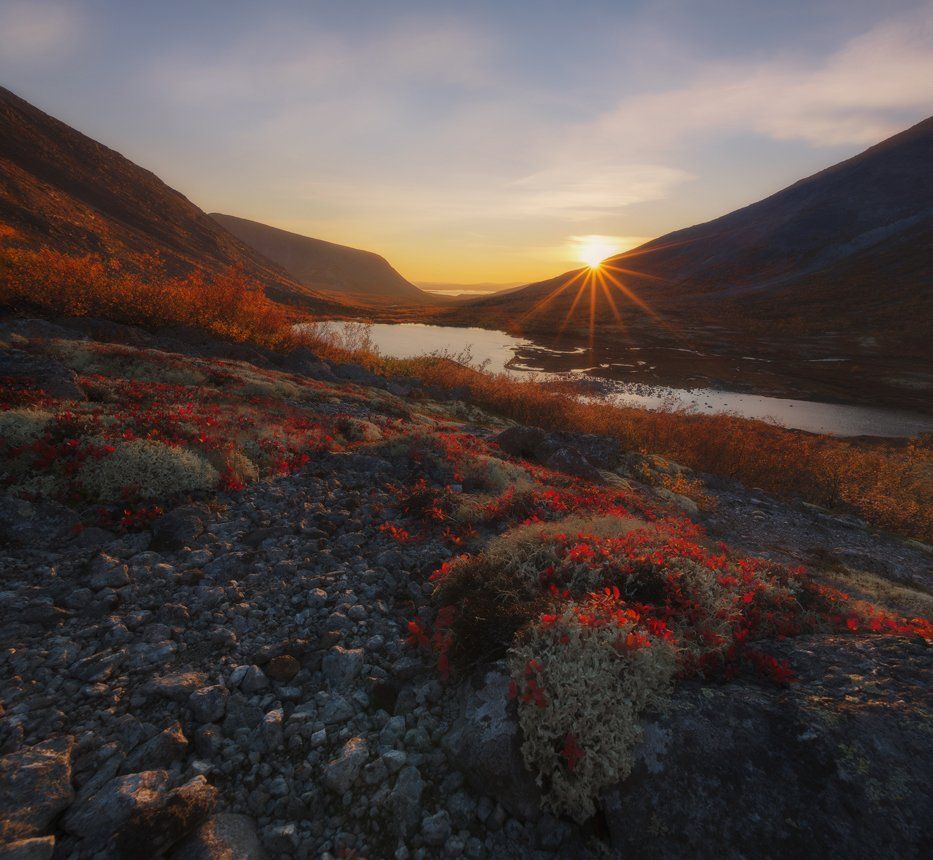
[146, 365]
[23, 426]
[151, 469]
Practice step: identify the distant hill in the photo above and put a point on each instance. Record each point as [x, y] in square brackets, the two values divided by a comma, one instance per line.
[852, 244]
[324, 265]
[61, 189]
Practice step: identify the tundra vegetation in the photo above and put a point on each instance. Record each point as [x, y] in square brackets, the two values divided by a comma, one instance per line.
[599, 597]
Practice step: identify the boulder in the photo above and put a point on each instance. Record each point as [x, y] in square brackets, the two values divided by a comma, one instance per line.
[484, 743]
[138, 815]
[35, 787]
[159, 751]
[342, 772]
[178, 528]
[222, 837]
[836, 765]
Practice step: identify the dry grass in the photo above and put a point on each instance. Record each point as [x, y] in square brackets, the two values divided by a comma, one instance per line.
[229, 304]
[887, 486]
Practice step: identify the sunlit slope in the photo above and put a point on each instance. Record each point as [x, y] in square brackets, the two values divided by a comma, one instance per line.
[61, 190]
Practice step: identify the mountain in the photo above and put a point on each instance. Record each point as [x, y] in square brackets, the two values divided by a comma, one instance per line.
[62, 190]
[324, 265]
[851, 244]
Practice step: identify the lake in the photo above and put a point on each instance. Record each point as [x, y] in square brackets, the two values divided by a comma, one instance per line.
[501, 352]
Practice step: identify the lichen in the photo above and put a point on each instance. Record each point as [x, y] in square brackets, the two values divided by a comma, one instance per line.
[150, 469]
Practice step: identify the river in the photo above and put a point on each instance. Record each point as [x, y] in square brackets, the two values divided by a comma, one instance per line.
[503, 353]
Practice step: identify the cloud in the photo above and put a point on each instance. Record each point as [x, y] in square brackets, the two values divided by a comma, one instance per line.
[579, 190]
[857, 95]
[288, 65]
[33, 31]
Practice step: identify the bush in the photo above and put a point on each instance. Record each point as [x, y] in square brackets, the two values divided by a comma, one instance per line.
[146, 469]
[229, 304]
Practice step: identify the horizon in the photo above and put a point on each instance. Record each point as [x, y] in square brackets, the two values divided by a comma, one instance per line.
[462, 145]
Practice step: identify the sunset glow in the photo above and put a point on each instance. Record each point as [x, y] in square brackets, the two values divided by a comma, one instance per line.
[592, 250]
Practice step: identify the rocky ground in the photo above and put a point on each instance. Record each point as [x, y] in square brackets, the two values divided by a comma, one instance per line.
[235, 680]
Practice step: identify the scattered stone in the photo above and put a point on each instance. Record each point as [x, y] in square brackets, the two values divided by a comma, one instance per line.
[222, 837]
[282, 668]
[342, 772]
[209, 704]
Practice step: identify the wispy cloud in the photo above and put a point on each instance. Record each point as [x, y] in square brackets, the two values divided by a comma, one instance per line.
[857, 95]
[34, 31]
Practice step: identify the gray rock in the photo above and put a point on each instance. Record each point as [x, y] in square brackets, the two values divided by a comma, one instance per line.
[40, 523]
[158, 752]
[832, 766]
[40, 373]
[209, 704]
[405, 800]
[178, 528]
[254, 681]
[35, 786]
[436, 828]
[341, 666]
[342, 772]
[270, 730]
[137, 815]
[337, 710]
[107, 572]
[484, 743]
[222, 837]
[37, 848]
[98, 667]
[177, 686]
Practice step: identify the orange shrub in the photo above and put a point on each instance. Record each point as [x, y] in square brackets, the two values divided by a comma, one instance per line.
[228, 304]
[887, 486]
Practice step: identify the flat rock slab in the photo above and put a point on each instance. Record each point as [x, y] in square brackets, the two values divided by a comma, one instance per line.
[836, 765]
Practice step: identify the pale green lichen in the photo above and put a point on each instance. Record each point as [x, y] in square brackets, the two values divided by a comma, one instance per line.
[150, 469]
[20, 427]
[595, 690]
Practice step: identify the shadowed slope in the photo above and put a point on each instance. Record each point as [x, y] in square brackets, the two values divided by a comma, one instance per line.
[324, 265]
[854, 243]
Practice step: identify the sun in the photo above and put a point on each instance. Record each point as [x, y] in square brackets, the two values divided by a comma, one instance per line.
[592, 250]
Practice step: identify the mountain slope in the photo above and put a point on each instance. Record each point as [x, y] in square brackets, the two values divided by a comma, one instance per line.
[857, 231]
[62, 190]
[324, 265]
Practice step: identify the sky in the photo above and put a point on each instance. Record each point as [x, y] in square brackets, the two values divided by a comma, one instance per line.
[481, 141]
